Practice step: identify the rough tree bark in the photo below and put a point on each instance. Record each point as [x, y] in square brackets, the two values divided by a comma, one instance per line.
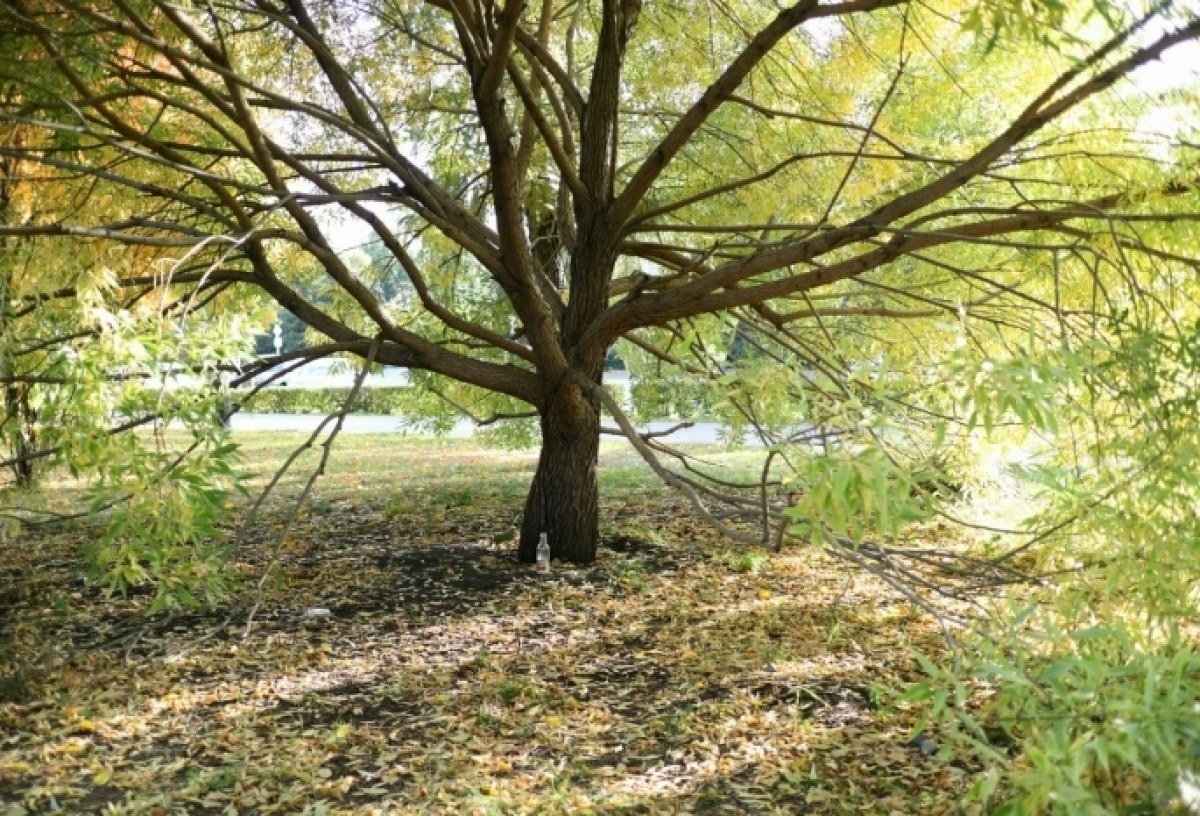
[18, 411]
[564, 498]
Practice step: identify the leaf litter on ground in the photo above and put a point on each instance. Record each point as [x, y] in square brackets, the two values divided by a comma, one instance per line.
[672, 676]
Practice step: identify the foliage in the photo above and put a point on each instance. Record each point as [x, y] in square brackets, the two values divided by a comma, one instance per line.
[1090, 719]
[389, 400]
[1082, 696]
[101, 349]
[168, 533]
[856, 492]
[672, 397]
[160, 506]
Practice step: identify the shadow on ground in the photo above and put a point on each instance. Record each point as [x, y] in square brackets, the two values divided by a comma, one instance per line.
[447, 678]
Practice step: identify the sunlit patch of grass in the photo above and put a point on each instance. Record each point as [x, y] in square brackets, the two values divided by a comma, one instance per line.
[629, 479]
[751, 561]
[218, 780]
[633, 575]
[509, 691]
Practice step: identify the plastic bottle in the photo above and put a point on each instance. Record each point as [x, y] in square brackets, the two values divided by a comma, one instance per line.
[543, 554]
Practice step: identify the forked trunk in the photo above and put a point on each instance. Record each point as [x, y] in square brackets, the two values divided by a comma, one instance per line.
[564, 499]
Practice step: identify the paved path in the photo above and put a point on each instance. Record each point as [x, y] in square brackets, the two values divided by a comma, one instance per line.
[702, 433]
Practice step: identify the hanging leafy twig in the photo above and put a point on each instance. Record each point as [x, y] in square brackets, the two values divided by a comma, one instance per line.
[326, 448]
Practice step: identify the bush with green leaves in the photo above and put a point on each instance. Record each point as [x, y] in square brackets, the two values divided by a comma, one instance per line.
[1081, 695]
[857, 491]
[158, 502]
[385, 401]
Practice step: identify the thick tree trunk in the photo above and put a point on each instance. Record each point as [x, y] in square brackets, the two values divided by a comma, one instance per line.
[17, 409]
[564, 499]
[24, 440]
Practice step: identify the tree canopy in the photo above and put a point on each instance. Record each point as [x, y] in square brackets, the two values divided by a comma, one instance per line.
[551, 181]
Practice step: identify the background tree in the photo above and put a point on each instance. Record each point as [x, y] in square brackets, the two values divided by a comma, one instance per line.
[552, 181]
[18, 419]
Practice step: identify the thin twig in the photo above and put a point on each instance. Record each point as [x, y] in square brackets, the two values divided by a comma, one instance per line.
[326, 449]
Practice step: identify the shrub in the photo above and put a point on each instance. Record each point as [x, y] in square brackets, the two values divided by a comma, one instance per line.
[388, 400]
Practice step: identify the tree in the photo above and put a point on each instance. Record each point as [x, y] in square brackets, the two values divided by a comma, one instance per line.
[552, 181]
[18, 414]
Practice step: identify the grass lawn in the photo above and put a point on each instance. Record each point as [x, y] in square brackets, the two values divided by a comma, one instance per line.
[676, 675]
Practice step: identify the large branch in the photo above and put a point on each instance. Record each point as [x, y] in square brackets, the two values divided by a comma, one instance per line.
[340, 79]
[502, 42]
[533, 302]
[718, 288]
[679, 302]
[427, 354]
[432, 198]
[530, 46]
[721, 91]
[411, 351]
[558, 148]
[1039, 113]
[598, 127]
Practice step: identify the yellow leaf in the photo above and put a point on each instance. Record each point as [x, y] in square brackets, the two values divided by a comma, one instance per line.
[764, 594]
[102, 777]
